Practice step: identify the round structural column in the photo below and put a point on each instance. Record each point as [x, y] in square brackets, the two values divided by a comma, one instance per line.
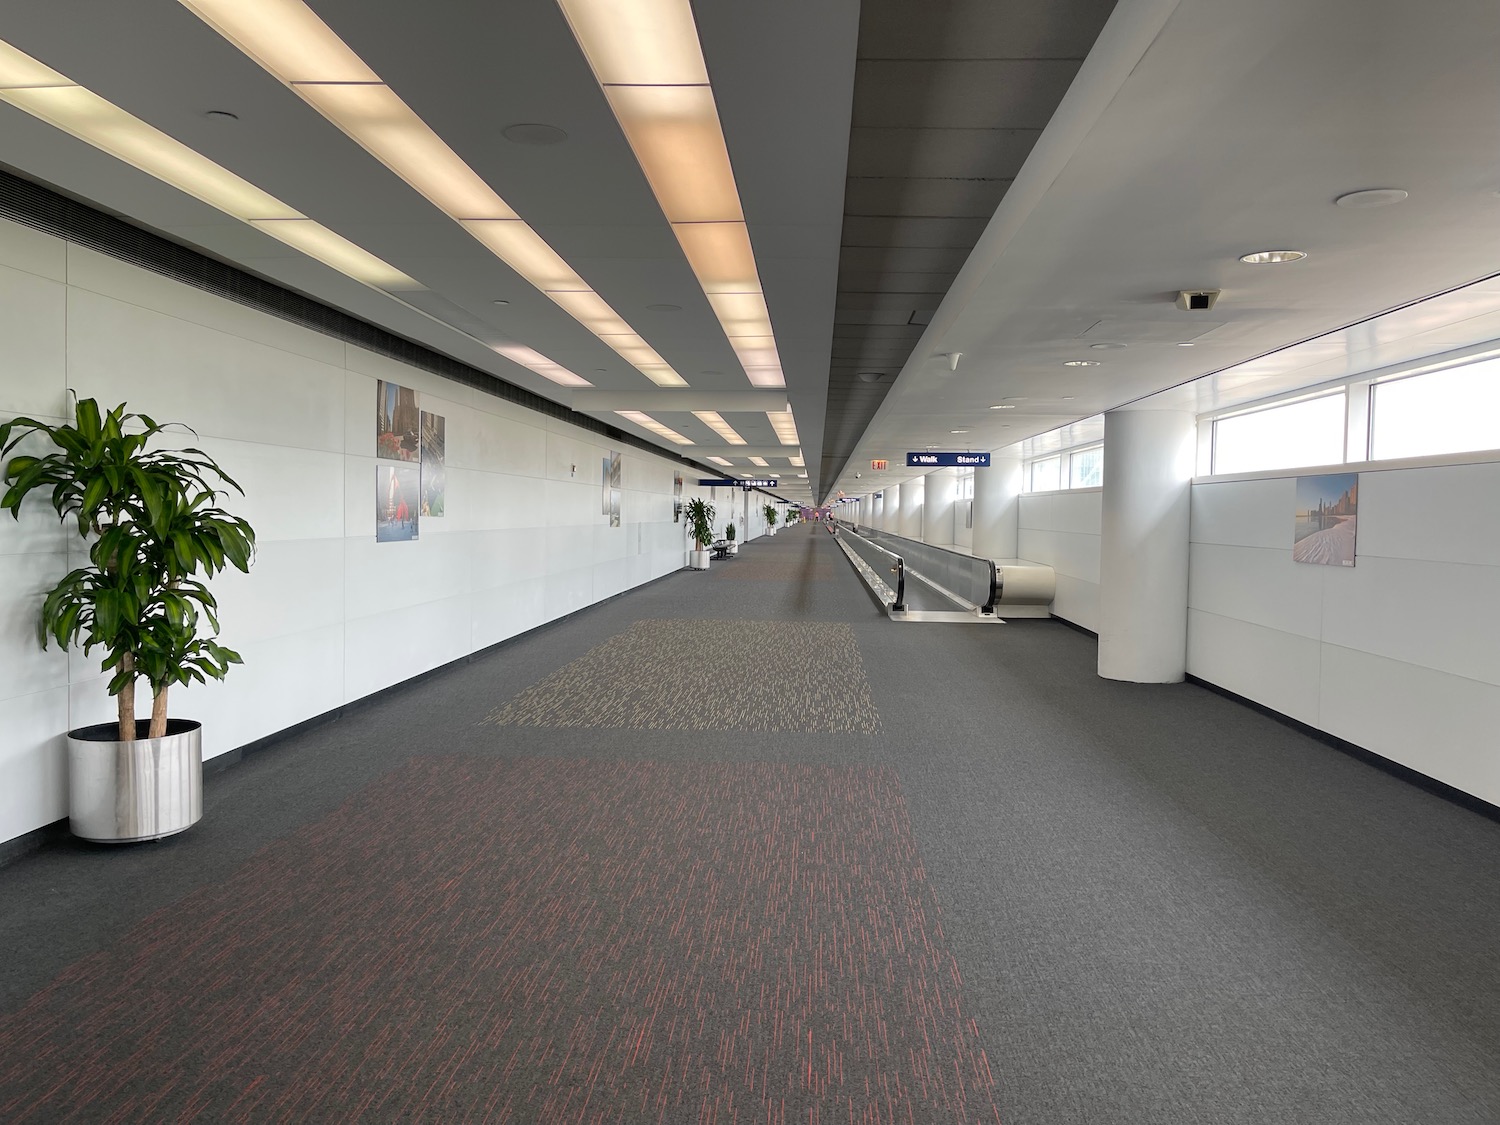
[937, 506]
[891, 521]
[877, 511]
[1143, 562]
[913, 497]
[997, 506]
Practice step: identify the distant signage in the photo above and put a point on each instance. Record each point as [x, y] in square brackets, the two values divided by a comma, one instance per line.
[947, 460]
[730, 482]
[880, 465]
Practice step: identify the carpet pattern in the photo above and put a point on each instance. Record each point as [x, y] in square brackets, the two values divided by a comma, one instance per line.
[754, 568]
[661, 675]
[534, 941]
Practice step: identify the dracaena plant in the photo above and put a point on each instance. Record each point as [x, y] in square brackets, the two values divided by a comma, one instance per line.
[700, 521]
[770, 512]
[153, 531]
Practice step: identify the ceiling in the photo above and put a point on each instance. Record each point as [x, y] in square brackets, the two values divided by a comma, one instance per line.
[949, 98]
[918, 179]
[1194, 133]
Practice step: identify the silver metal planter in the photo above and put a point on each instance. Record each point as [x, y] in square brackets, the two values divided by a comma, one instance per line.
[143, 789]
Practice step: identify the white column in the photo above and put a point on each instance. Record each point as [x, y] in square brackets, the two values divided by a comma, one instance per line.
[877, 511]
[997, 505]
[913, 495]
[937, 506]
[1143, 562]
[891, 521]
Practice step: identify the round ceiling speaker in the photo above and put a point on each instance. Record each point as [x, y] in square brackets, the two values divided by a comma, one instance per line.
[532, 134]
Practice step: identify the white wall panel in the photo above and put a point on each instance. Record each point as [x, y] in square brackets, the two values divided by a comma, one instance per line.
[1245, 513]
[1444, 513]
[294, 586]
[1400, 608]
[33, 761]
[31, 251]
[1395, 654]
[109, 277]
[283, 681]
[327, 615]
[1277, 669]
[33, 312]
[1438, 724]
[25, 668]
[1076, 601]
[231, 387]
[1257, 585]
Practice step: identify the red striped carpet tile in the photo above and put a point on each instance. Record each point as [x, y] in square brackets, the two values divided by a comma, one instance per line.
[534, 941]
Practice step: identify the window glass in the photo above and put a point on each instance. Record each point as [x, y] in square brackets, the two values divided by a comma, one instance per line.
[1086, 468]
[965, 484]
[1046, 474]
[1452, 411]
[1310, 432]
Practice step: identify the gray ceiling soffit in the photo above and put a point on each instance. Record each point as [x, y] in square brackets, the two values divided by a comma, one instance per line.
[949, 98]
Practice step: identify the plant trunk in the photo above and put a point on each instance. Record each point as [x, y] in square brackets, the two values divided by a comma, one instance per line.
[159, 713]
[125, 702]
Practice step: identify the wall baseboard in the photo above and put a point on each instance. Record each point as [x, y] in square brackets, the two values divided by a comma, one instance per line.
[57, 831]
[1432, 785]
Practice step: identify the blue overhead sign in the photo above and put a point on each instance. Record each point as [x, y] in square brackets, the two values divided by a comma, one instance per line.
[731, 482]
[947, 460]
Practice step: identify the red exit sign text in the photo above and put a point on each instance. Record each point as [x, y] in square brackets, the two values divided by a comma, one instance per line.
[878, 465]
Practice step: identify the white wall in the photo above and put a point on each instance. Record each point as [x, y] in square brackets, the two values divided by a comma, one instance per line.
[1061, 529]
[327, 615]
[1397, 654]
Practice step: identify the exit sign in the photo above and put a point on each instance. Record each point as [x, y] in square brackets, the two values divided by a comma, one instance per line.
[879, 465]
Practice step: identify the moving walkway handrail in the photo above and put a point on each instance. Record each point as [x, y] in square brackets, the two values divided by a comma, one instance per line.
[993, 580]
[899, 605]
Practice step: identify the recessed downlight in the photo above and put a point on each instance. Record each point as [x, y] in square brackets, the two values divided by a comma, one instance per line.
[1106, 347]
[958, 431]
[499, 302]
[1370, 198]
[221, 115]
[1004, 406]
[663, 308]
[1272, 257]
[1185, 344]
[1080, 363]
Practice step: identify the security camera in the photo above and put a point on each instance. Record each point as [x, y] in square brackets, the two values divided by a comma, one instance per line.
[856, 476]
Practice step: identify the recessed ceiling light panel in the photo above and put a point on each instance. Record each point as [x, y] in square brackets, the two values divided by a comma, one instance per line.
[1080, 363]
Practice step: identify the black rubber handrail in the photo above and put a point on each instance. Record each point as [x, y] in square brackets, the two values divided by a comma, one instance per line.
[989, 606]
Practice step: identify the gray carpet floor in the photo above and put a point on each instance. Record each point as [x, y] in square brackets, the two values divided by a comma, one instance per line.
[1165, 907]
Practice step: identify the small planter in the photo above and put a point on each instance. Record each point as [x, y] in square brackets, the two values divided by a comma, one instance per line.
[698, 560]
[143, 789]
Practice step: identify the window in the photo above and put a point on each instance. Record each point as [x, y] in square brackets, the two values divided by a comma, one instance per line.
[965, 484]
[1307, 432]
[1086, 467]
[1450, 411]
[1045, 475]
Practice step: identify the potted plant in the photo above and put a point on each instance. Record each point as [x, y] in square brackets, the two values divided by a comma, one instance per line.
[152, 531]
[732, 547]
[700, 525]
[770, 513]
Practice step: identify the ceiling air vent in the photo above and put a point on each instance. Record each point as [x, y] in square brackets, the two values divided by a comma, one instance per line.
[1198, 300]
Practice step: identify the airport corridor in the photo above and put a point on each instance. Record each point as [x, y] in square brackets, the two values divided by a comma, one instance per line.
[735, 848]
